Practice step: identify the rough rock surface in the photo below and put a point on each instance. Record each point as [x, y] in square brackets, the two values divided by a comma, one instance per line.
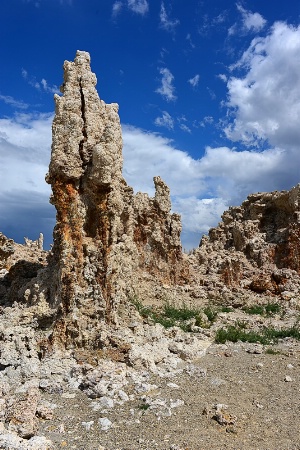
[106, 239]
[254, 250]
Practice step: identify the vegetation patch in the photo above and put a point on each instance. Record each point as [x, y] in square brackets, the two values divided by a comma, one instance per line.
[144, 406]
[266, 336]
[169, 315]
[264, 310]
[271, 351]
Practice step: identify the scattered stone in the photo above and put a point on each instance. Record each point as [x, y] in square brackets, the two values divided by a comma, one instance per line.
[104, 423]
[176, 403]
[68, 395]
[222, 416]
[21, 415]
[87, 425]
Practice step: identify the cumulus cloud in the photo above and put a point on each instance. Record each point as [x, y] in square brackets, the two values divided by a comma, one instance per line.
[138, 6]
[165, 121]
[194, 81]
[202, 189]
[24, 157]
[166, 22]
[266, 100]
[166, 89]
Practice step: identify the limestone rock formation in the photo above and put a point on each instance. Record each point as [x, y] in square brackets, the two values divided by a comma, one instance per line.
[6, 250]
[107, 240]
[256, 247]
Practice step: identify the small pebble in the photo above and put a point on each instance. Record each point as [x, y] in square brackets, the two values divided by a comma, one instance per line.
[287, 379]
[87, 425]
[173, 385]
[104, 423]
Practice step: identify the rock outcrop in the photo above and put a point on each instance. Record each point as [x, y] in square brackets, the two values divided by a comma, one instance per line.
[255, 249]
[108, 242]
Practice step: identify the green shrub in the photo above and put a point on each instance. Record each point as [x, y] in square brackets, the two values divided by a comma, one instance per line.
[266, 336]
[272, 308]
[263, 310]
[254, 309]
[211, 313]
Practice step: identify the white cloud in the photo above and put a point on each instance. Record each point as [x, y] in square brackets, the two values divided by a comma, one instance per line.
[251, 21]
[202, 189]
[138, 6]
[167, 89]
[25, 147]
[146, 149]
[24, 195]
[189, 39]
[183, 124]
[185, 128]
[165, 121]
[40, 85]
[266, 100]
[207, 120]
[19, 104]
[117, 7]
[199, 215]
[165, 22]
[194, 81]
[222, 77]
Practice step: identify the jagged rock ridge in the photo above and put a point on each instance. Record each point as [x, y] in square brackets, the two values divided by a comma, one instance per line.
[255, 249]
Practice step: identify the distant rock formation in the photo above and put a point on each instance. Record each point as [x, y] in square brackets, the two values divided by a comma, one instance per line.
[255, 249]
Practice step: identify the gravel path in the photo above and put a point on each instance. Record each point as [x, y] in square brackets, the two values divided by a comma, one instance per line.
[235, 397]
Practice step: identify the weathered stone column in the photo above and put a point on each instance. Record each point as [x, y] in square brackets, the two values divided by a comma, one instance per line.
[105, 238]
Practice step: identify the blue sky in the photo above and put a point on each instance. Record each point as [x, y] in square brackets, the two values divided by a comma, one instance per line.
[209, 95]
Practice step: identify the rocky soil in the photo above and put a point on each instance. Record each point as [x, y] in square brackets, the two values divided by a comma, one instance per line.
[234, 396]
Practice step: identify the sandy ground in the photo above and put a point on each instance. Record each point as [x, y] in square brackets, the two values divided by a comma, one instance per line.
[236, 397]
